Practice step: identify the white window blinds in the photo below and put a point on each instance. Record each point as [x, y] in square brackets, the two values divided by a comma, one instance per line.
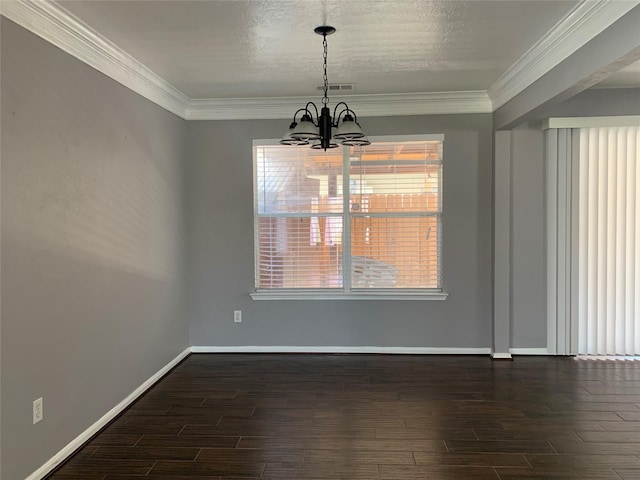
[609, 241]
[349, 218]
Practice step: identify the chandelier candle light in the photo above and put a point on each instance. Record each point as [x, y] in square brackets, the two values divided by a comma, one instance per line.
[317, 131]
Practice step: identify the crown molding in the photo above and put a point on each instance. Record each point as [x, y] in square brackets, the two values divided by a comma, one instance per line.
[57, 26]
[583, 23]
[364, 105]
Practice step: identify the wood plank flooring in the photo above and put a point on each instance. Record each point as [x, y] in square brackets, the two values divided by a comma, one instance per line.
[351, 417]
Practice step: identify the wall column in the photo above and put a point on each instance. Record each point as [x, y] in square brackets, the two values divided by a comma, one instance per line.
[501, 246]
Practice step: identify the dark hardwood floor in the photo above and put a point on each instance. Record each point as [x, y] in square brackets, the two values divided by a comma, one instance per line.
[298, 417]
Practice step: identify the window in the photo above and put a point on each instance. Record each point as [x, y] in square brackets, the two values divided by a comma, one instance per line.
[351, 220]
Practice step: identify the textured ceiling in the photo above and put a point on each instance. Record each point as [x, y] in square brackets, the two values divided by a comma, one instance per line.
[259, 48]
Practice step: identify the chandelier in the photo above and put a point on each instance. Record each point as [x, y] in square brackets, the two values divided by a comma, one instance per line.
[316, 130]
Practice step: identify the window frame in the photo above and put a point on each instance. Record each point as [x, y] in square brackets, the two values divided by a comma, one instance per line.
[347, 293]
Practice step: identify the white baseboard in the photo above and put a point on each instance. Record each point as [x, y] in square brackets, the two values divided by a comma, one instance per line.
[77, 442]
[529, 351]
[501, 356]
[342, 349]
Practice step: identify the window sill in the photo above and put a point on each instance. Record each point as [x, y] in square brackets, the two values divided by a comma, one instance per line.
[353, 295]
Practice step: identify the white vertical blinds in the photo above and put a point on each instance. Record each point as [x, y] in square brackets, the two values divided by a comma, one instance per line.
[609, 241]
[373, 212]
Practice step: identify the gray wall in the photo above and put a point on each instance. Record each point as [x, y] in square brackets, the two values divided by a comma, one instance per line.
[528, 263]
[92, 246]
[221, 274]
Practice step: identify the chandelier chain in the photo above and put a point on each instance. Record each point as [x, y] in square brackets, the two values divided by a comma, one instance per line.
[325, 99]
[317, 130]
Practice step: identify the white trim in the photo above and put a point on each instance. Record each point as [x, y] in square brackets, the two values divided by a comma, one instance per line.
[529, 351]
[429, 103]
[342, 349]
[501, 356]
[77, 442]
[343, 295]
[57, 26]
[590, 122]
[587, 20]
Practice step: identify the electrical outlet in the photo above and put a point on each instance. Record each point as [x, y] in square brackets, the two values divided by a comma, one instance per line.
[38, 413]
[237, 316]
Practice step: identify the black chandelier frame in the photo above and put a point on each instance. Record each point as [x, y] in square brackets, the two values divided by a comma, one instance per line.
[317, 130]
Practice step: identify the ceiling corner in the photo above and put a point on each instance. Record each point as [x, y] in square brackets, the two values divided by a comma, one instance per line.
[57, 26]
[583, 23]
